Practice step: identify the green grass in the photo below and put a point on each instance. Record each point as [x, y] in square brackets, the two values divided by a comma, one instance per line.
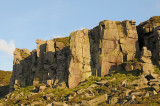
[122, 75]
[4, 82]
[157, 70]
[156, 19]
[5, 77]
[61, 95]
[64, 40]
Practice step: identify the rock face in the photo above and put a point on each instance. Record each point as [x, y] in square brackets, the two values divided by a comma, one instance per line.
[73, 59]
[149, 34]
[113, 43]
[50, 61]
[79, 68]
[21, 69]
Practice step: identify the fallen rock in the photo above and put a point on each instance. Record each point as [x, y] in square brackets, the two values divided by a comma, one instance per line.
[137, 93]
[49, 96]
[51, 104]
[80, 91]
[154, 93]
[103, 82]
[147, 94]
[42, 87]
[124, 83]
[59, 104]
[132, 97]
[127, 92]
[70, 97]
[36, 103]
[113, 100]
[95, 101]
[36, 81]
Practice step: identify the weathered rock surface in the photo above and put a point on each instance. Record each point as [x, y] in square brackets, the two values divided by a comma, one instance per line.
[70, 60]
[148, 34]
[79, 68]
[113, 43]
[49, 62]
[147, 66]
[21, 69]
[96, 101]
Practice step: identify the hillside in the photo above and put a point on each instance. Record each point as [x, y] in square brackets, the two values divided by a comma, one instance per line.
[4, 82]
[119, 87]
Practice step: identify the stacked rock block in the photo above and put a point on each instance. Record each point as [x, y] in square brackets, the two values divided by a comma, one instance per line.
[49, 62]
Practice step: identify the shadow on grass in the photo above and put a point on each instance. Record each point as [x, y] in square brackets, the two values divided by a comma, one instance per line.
[4, 90]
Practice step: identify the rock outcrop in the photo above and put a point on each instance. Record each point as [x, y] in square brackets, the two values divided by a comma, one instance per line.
[70, 60]
[126, 63]
[79, 68]
[149, 36]
[113, 43]
[22, 68]
[50, 61]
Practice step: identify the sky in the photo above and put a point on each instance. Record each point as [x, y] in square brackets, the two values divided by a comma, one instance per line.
[24, 21]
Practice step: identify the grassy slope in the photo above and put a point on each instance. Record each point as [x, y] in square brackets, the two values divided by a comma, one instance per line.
[5, 77]
[4, 82]
[61, 94]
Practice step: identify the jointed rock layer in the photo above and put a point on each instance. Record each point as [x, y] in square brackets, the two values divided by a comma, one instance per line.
[70, 60]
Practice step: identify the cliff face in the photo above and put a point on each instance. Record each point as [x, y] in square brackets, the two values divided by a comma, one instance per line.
[70, 60]
[50, 61]
[79, 68]
[149, 35]
[113, 43]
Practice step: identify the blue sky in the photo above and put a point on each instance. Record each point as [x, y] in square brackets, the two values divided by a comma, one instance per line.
[24, 21]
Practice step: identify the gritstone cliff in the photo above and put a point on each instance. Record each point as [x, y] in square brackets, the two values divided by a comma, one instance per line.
[70, 60]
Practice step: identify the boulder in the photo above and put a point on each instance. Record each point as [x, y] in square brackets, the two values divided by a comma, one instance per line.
[51, 104]
[127, 92]
[154, 93]
[103, 82]
[49, 96]
[36, 81]
[95, 101]
[42, 87]
[147, 94]
[59, 104]
[147, 65]
[113, 100]
[132, 97]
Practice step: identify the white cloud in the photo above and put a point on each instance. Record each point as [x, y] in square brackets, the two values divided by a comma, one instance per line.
[7, 47]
